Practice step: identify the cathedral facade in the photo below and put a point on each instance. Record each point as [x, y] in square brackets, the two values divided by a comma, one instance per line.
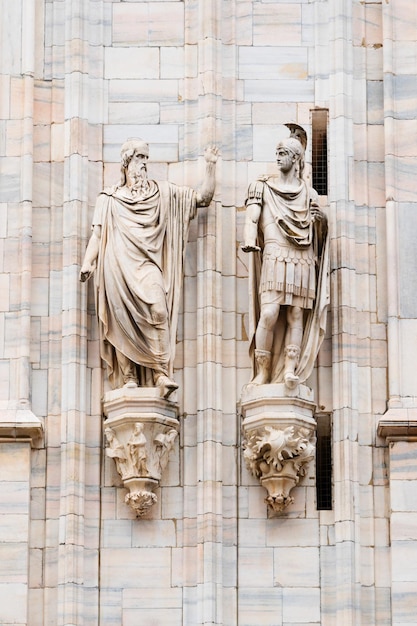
[198, 539]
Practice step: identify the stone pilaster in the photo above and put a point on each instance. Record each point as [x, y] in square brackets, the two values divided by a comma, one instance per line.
[399, 424]
[20, 428]
[204, 602]
[401, 437]
[15, 510]
[401, 223]
[75, 583]
[346, 607]
[17, 66]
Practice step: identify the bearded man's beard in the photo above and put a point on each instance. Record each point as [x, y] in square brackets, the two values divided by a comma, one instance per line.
[140, 181]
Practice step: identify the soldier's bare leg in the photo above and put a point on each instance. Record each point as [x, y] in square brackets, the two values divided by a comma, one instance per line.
[263, 343]
[265, 331]
[293, 339]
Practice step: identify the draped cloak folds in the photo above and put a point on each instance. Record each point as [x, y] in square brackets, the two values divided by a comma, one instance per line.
[140, 263]
[303, 240]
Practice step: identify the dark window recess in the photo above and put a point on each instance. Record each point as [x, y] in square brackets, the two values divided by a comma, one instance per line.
[324, 463]
[319, 150]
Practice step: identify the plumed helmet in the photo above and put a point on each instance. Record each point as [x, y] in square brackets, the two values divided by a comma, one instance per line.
[297, 132]
[293, 145]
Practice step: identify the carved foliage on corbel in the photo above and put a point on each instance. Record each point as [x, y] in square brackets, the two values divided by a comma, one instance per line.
[278, 458]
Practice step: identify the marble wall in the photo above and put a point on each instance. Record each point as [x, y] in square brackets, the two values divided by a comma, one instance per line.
[77, 78]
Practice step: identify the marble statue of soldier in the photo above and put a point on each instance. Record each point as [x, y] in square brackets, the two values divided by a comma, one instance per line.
[136, 252]
[287, 238]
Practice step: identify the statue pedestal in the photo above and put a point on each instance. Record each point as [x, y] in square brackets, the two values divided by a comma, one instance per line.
[279, 438]
[141, 428]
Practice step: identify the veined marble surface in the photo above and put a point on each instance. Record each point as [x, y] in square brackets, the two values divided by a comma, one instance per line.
[77, 78]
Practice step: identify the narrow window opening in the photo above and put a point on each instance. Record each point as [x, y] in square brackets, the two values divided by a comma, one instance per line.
[324, 463]
[319, 150]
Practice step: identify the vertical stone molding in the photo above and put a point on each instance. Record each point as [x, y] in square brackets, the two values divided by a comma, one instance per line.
[14, 531]
[279, 438]
[401, 436]
[203, 592]
[20, 430]
[140, 429]
[345, 604]
[76, 584]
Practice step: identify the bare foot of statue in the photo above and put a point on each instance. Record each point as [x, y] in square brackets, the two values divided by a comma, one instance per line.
[167, 385]
[130, 383]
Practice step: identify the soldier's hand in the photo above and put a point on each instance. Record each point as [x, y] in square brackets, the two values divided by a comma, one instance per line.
[248, 247]
[317, 214]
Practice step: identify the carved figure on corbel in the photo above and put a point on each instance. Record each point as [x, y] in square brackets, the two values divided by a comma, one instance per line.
[140, 451]
[137, 451]
[163, 445]
[117, 452]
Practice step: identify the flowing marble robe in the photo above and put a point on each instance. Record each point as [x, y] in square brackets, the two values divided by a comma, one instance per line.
[292, 269]
[140, 262]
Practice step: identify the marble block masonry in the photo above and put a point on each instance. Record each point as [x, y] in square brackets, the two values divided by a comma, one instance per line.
[168, 425]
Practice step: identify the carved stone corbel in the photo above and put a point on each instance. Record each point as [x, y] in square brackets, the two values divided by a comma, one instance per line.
[279, 439]
[141, 428]
[278, 458]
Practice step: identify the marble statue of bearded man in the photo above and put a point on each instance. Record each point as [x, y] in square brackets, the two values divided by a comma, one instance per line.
[136, 252]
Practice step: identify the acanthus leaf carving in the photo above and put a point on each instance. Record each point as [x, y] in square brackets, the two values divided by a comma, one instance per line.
[278, 457]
